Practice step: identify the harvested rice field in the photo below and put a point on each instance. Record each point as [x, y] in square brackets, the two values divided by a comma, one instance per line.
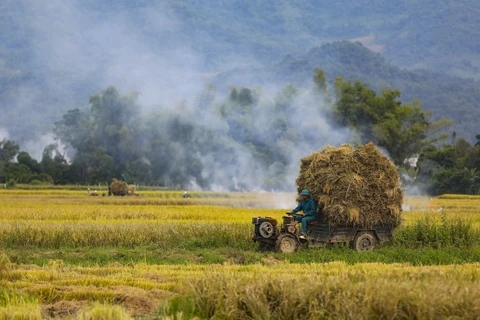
[65, 255]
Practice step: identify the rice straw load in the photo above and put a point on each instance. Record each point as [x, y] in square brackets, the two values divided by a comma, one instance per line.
[131, 189]
[354, 186]
[118, 188]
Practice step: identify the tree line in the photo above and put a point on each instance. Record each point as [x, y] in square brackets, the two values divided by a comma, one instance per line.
[247, 140]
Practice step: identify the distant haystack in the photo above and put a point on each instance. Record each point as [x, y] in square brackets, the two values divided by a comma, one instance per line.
[131, 189]
[118, 188]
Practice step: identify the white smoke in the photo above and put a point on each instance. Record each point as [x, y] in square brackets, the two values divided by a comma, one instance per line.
[79, 47]
[4, 134]
[307, 117]
[36, 147]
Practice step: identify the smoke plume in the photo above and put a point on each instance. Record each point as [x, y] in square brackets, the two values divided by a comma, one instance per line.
[78, 48]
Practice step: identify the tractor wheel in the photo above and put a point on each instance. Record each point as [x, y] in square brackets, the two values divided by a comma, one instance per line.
[364, 242]
[287, 243]
[265, 247]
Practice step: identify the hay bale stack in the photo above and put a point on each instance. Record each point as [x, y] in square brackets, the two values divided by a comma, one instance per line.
[354, 186]
[131, 189]
[118, 188]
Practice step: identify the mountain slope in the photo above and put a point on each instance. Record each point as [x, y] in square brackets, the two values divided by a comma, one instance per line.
[53, 55]
[444, 95]
[441, 35]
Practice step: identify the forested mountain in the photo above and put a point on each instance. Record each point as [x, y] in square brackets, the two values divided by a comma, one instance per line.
[440, 35]
[443, 95]
[55, 54]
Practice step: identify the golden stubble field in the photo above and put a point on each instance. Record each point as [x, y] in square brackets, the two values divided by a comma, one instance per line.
[45, 225]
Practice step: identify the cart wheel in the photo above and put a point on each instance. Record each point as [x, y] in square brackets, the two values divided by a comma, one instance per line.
[364, 242]
[287, 243]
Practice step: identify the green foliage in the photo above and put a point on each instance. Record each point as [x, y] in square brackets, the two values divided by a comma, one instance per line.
[320, 81]
[453, 168]
[54, 165]
[105, 140]
[400, 128]
[114, 121]
[182, 148]
[439, 93]
[18, 172]
[408, 251]
[455, 180]
[27, 169]
[11, 184]
[25, 159]
[179, 149]
[8, 150]
[428, 232]
[414, 34]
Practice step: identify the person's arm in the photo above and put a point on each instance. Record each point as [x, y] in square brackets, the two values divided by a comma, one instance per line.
[298, 208]
[309, 208]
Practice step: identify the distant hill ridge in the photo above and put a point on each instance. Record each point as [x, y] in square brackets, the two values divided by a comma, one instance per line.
[444, 95]
[426, 48]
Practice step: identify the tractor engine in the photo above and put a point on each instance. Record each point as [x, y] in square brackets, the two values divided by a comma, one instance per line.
[289, 225]
[266, 230]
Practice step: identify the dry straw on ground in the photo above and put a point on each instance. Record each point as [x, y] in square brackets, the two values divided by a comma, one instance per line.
[354, 186]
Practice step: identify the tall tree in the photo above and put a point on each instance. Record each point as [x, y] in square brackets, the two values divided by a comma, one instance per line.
[106, 139]
[25, 159]
[54, 164]
[114, 121]
[320, 81]
[320, 87]
[8, 150]
[403, 129]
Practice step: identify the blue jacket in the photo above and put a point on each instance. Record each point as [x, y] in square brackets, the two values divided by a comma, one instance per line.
[307, 206]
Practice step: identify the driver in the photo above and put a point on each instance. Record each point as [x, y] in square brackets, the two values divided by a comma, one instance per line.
[307, 205]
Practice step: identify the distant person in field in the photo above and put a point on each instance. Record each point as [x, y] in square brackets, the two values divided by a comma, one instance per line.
[89, 192]
[307, 205]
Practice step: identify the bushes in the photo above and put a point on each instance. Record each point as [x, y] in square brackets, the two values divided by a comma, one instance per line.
[34, 180]
[11, 184]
